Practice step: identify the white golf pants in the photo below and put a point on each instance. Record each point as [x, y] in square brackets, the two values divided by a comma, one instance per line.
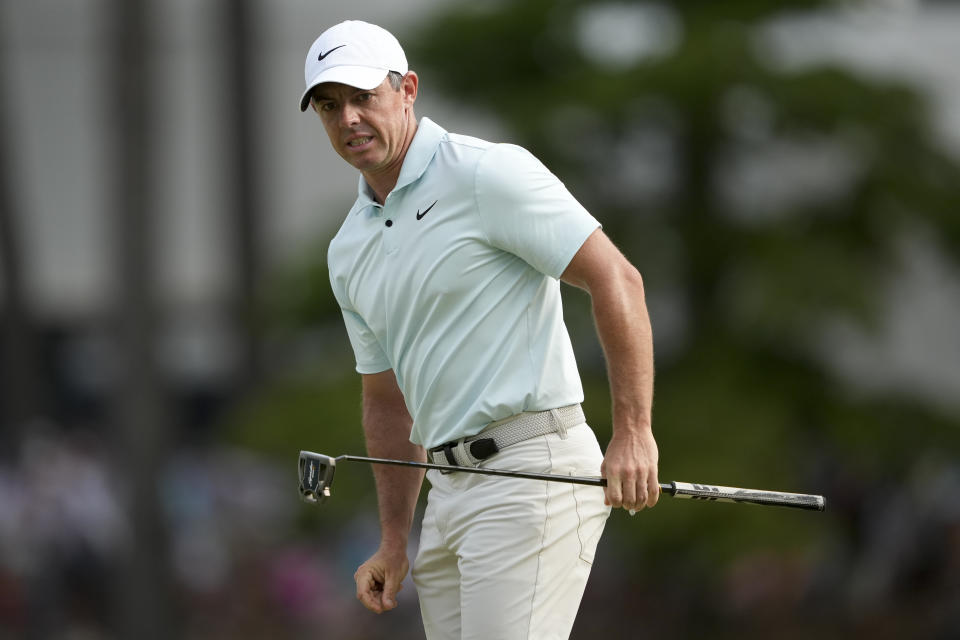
[508, 558]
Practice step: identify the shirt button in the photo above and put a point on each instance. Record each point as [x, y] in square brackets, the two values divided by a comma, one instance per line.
[389, 223]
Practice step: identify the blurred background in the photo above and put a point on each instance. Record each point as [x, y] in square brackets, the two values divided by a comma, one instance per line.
[785, 175]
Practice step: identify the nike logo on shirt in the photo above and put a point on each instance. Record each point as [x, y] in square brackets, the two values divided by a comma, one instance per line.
[425, 211]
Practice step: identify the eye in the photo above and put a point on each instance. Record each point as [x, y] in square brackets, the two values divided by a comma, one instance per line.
[364, 97]
[325, 107]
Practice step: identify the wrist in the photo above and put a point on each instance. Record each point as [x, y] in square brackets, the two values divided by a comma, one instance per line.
[393, 543]
[631, 423]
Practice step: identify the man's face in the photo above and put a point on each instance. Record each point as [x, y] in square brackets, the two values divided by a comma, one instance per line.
[369, 128]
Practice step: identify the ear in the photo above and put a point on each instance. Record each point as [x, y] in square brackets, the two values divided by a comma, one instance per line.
[409, 88]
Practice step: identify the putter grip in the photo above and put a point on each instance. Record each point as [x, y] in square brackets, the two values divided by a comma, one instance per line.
[751, 496]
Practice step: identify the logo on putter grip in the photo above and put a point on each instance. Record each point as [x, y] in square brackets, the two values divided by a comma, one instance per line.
[705, 489]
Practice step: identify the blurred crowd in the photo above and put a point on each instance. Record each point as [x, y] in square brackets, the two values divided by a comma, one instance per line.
[238, 565]
[244, 566]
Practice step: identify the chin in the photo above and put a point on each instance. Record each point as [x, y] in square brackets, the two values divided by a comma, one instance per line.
[366, 164]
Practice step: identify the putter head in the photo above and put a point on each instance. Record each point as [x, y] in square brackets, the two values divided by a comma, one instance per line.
[316, 475]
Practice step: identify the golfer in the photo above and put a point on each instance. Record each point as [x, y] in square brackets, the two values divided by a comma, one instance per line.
[447, 270]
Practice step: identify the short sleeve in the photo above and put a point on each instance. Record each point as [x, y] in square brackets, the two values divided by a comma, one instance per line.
[367, 351]
[526, 210]
[366, 348]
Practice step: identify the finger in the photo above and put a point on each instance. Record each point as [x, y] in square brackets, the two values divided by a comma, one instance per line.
[653, 489]
[612, 493]
[369, 598]
[390, 589]
[648, 492]
[369, 591]
[631, 493]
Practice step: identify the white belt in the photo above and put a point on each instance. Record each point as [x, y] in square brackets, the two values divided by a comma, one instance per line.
[470, 451]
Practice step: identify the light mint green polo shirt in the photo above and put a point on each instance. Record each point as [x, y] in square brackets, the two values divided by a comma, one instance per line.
[454, 283]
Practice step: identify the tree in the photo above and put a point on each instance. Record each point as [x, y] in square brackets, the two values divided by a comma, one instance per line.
[239, 156]
[760, 204]
[140, 420]
[21, 390]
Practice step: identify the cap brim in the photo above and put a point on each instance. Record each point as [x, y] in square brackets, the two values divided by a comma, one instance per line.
[359, 77]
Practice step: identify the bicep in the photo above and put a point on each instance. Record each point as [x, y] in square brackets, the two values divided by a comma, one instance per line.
[382, 398]
[381, 389]
[386, 421]
[598, 263]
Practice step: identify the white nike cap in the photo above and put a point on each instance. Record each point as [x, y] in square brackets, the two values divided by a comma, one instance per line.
[355, 53]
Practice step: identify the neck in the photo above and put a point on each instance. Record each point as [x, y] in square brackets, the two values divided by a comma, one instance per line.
[383, 181]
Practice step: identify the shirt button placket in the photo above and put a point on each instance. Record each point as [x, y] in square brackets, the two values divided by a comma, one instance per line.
[389, 237]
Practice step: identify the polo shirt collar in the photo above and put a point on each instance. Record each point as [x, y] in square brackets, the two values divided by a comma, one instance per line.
[419, 154]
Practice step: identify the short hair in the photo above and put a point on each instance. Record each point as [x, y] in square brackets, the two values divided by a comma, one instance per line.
[396, 80]
[395, 77]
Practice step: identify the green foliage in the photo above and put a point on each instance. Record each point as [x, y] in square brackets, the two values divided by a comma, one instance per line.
[306, 414]
[302, 414]
[758, 266]
[299, 295]
[746, 398]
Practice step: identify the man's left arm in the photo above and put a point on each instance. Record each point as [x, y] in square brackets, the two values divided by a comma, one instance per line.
[623, 325]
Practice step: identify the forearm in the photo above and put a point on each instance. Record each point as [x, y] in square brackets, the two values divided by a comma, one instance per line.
[387, 429]
[623, 326]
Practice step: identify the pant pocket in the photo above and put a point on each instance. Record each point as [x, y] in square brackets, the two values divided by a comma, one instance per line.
[592, 514]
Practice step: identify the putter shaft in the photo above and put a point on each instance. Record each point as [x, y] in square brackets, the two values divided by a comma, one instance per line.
[687, 490]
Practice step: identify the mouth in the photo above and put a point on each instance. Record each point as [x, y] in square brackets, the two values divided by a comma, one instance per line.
[359, 142]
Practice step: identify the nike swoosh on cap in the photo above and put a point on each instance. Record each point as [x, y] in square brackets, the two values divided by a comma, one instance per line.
[426, 211]
[324, 55]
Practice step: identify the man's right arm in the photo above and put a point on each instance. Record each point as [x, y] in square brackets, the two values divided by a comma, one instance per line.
[386, 427]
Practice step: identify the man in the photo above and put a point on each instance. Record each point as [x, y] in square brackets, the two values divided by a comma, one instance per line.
[447, 271]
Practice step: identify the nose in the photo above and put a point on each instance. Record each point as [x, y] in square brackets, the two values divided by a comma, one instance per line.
[349, 115]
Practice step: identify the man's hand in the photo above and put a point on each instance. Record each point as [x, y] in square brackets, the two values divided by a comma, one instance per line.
[630, 467]
[380, 578]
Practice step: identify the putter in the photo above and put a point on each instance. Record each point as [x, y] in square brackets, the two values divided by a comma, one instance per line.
[316, 471]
